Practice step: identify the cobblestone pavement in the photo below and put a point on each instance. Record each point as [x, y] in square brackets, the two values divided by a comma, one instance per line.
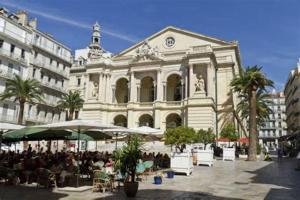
[225, 180]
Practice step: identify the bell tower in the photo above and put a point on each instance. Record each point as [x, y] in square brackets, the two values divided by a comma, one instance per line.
[96, 37]
[95, 46]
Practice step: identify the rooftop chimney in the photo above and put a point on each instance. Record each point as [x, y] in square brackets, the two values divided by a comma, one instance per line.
[3, 11]
[23, 17]
[33, 23]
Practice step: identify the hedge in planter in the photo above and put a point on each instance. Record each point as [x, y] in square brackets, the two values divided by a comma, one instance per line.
[205, 137]
[180, 136]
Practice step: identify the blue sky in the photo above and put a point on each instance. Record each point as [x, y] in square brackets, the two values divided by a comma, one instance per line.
[268, 30]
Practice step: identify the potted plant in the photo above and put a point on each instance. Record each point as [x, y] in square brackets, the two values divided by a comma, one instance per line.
[181, 159]
[128, 160]
[229, 132]
[205, 156]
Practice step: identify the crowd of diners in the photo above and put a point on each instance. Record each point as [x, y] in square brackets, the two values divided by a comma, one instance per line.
[66, 164]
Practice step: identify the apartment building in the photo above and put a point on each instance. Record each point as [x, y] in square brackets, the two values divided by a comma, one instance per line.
[32, 54]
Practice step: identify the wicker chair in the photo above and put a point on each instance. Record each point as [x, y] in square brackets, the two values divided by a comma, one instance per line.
[101, 181]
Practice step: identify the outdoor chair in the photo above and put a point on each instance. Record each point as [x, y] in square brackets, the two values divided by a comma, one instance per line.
[98, 165]
[45, 178]
[140, 169]
[101, 181]
[148, 168]
[120, 178]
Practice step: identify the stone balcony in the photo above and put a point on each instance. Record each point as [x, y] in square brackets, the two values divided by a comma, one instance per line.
[13, 57]
[7, 74]
[53, 86]
[51, 51]
[41, 64]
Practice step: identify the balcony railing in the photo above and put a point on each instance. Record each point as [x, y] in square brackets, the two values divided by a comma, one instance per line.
[9, 118]
[51, 86]
[13, 56]
[52, 51]
[42, 64]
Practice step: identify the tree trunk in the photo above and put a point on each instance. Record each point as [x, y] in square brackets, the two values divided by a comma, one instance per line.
[71, 114]
[252, 126]
[21, 113]
[20, 121]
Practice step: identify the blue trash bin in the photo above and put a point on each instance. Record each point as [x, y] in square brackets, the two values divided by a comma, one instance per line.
[157, 180]
[170, 174]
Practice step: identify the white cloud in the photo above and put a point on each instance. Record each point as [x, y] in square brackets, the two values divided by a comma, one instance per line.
[69, 21]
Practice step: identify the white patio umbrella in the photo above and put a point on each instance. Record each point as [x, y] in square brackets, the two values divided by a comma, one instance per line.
[7, 127]
[146, 130]
[122, 131]
[79, 126]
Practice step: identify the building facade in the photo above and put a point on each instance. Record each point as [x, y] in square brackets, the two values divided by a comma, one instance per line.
[32, 54]
[274, 127]
[292, 95]
[174, 77]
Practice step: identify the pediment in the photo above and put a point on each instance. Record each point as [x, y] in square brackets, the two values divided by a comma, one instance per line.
[173, 39]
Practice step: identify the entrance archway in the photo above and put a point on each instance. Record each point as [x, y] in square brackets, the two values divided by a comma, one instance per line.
[120, 120]
[146, 120]
[173, 120]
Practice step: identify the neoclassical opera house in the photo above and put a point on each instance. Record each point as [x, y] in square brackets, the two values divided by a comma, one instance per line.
[174, 77]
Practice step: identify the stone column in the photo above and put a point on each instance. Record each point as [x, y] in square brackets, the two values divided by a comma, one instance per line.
[182, 88]
[105, 89]
[132, 87]
[186, 84]
[138, 92]
[155, 90]
[210, 86]
[86, 87]
[191, 80]
[129, 94]
[113, 94]
[164, 91]
[159, 88]
[100, 94]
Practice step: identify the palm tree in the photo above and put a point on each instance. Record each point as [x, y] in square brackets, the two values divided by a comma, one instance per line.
[248, 83]
[22, 91]
[263, 109]
[71, 102]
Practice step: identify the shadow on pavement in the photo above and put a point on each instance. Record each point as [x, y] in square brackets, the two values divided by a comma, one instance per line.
[282, 174]
[158, 194]
[9, 192]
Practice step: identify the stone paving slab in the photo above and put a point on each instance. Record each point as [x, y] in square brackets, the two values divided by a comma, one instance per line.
[225, 180]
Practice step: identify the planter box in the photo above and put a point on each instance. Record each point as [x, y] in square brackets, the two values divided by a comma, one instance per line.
[229, 154]
[205, 157]
[244, 156]
[182, 163]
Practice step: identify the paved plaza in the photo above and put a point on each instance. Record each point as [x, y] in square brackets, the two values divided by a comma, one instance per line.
[225, 180]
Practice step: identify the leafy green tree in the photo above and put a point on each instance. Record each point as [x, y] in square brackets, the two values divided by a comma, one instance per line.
[229, 132]
[250, 80]
[180, 136]
[205, 137]
[22, 91]
[72, 102]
